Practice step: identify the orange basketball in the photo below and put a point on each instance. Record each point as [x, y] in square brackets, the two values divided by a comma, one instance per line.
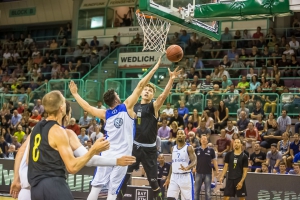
[174, 53]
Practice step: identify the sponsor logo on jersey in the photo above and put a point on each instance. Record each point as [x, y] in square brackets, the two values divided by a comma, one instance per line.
[118, 122]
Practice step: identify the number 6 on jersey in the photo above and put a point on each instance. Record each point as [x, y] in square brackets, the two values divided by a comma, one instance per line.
[35, 150]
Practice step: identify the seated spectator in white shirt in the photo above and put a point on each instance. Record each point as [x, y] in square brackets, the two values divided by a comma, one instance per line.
[230, 129]
[181, 83]
[96, 134]
[168, 110]
[294, 44]
[6, 54]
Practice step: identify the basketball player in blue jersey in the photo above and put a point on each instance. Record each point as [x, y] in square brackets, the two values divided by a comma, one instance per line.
[50, 155]
[180, 178]
[144, 147]
[20, 183]
[119, 130]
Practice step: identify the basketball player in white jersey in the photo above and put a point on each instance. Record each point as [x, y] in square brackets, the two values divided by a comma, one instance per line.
[180, 178]
[21, 180]
[119, 130]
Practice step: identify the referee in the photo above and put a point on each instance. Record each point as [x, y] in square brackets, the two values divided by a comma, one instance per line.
[236, 163]
[144, 144]
[205, 156]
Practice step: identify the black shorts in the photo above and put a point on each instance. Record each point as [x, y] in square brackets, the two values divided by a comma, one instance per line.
[55, 188]
[231, 191]
[148, 157]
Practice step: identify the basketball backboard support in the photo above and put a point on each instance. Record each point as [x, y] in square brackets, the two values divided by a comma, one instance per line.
[242, 10]
[181, 12]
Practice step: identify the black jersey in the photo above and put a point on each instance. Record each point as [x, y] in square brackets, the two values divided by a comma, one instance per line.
[145, 123]
[44, 161]
[236, 164]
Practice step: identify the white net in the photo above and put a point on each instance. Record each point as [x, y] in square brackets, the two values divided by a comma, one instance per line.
[155, 32]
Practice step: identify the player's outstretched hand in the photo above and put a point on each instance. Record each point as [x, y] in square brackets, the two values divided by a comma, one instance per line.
[73, 87]
[158, 62]
[183, 168]
[101, 145]
[167, 182]
[174, 74]
[15, 188]
[126, 160]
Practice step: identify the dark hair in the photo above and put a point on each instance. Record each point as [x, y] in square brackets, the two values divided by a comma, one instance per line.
[109, 97]
[274, 145]
[285, 111]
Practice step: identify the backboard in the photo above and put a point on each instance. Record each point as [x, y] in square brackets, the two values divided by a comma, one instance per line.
[181, 13]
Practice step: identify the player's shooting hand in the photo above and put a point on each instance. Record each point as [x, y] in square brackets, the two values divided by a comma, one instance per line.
[126, 160]
[183, 168]
[175, 73]
[166, 183]
[239, 186]
[73, 87]
[101, 145]
[15, 189]
[158, 62]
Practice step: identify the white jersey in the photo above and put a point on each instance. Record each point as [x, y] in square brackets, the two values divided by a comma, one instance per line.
[180, 157]
[23, 170]
[120, 130]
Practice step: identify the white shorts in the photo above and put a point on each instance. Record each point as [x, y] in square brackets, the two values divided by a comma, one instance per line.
[183, 183]
[24, 194]
[110, 178]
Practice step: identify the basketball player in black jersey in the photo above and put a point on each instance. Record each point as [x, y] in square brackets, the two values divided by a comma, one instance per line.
[144, 145]
[50, 153]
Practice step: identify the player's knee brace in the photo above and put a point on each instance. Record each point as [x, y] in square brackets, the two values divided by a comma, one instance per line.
[153, 183]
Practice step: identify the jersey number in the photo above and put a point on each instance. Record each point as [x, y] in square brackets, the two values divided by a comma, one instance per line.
[178, 154]
[35, 150]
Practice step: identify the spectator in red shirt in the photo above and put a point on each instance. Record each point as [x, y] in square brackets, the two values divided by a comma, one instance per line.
[223, 144]
[73, 126]
[251, 135]
[35, 118]
[20, 108]
[257, 34]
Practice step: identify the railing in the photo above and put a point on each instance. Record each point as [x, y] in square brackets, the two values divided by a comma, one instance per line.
[193, 101]
[290, 103]
[231, 100]
[92, 90]
[63, 86]
[37, 93]
[15, 98]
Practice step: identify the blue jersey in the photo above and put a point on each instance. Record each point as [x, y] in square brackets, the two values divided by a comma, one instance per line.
[120, 130]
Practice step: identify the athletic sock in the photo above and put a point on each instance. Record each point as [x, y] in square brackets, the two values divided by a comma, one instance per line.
[111, 197]
[94, 194]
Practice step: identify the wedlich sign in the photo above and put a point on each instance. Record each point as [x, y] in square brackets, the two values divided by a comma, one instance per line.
[22, 12]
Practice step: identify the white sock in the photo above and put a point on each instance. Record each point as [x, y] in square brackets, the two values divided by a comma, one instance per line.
[111, 197]
[94, 193]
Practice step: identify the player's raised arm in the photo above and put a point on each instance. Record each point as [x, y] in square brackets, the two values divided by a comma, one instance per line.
[58, 139]
[133, 98]
[85, 105]
[163, 96]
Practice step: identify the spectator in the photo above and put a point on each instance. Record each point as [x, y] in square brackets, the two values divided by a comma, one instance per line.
[193, 97]
[296, 169]
[192, 140]
[16, 143]
[35, 118]
[226, 38]
[198, 65]
[180, 84]
[126, 19]
[216, 51]
[254, 83]
[173, 132]
[223, 71]
[256, 158]
[96, 134]
[226, 83]
[39, 107]
[94, 42]
[294, 44]
[28, 41]
[207, 84]
[288, 52]
[209, 122]
[77, 54]
[230, 130]
[192, 74]
[3, 145]
[258, 33]
[85, 120]
[231, 55]
[92, 127]
[215, 95]
[137, 40]
[195, 81]
[19, 134]
[243, 83]
[183, 111]
[278, 82]
[273, 158]
[294, 149]
[177, 118]
[242, 108]
[15, 120]
[20, 108]
[203, 130]
[263, 169]
[260, 125]
[297, 158]
[73, 126]
[83, 137]
[242, 123]
[184, 39]
[11, 153]
[6, 135]
[272, 134]
[162, 172]
[168, 110]
[257, 111]
[89, 144]
[164, 131]
[223, 144]
[283, 147]
[189, 128]
[236, 64]
[100, 105]
[222, 116]
[114, 44]
[251, 135]
[284, 122]
[282, 168]
[103, 52]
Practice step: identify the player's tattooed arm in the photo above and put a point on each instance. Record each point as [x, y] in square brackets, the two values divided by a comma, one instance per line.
[192, 157]
[167, 182]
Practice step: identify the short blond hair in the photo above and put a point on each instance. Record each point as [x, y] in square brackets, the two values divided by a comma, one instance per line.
[150, 85]
[52, 101]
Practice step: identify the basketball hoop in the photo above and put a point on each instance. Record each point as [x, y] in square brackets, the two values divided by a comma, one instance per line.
[155, 32]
